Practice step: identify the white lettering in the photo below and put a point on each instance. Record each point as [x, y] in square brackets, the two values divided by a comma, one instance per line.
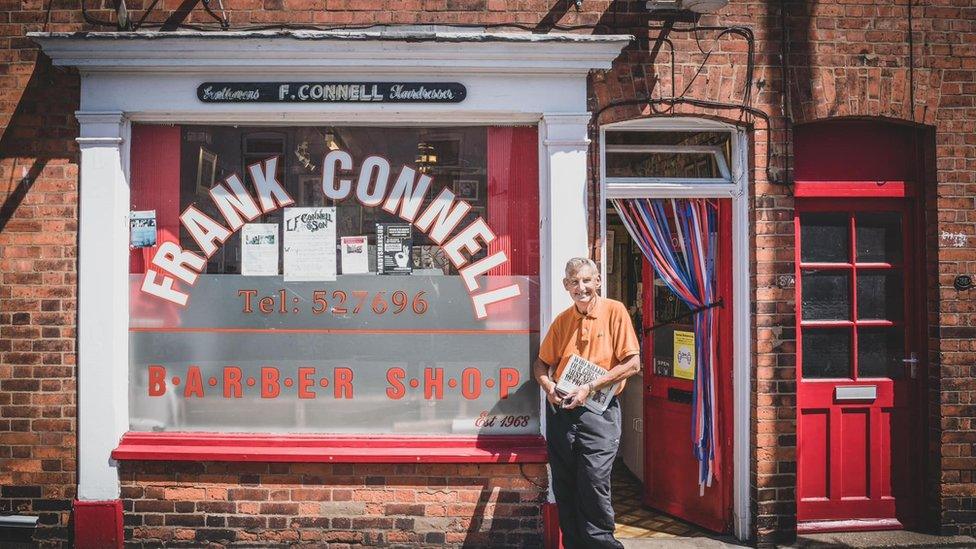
[372, 164]
[482, 300]
[175, 260]
[341, 160]
[233, 202]
[269, 190]
[282, 91]
[203, 229]
[480, 267]
[466, 240]
[162, 288]
[404, 195]
[446, 214]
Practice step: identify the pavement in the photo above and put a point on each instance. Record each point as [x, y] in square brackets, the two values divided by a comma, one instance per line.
[854, 540]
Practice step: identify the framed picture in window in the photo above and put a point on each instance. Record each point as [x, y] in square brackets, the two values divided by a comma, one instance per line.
[206, 170]
[466, 189]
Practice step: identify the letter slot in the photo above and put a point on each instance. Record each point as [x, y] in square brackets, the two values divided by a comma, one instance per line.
[856, 392]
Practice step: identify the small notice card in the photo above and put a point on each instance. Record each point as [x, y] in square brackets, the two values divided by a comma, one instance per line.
[684, 355]
[394, 248]
[142, 229]
[259, 244]
[310, 244]
[355, 254]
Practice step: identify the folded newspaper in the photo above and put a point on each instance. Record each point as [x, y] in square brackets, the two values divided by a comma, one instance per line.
[579, 372]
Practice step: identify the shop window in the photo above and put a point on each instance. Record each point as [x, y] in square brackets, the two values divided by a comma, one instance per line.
[334, 280]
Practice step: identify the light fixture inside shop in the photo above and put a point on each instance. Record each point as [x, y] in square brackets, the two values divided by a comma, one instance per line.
[426, 157]
[696, 6]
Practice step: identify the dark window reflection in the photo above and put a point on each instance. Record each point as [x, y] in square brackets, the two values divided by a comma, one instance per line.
[826, 295]
[826, 352]
[880, 352]
[878, 237]
[879, 295]
[825, 238]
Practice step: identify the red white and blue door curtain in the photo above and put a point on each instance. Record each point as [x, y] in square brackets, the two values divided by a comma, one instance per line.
[684, 258]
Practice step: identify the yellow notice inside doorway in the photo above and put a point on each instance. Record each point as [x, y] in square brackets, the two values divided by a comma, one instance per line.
[684, 355]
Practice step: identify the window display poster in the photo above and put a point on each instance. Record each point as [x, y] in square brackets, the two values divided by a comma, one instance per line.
[355, 254]
[142, 229]
[310, 244]
[259, 254]
[394, 248]
[684, 355]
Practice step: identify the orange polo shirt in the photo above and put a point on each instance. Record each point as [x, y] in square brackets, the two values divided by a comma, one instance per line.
[604, 336]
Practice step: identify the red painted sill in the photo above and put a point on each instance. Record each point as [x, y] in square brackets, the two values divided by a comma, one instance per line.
[182, 446]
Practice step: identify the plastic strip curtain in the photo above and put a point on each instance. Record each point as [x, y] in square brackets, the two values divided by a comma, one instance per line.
[685, 260]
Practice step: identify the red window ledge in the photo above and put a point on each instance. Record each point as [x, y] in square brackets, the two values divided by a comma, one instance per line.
[182, 446]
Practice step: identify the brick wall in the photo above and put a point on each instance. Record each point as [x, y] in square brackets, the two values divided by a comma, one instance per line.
[371, 504]
[848, 59]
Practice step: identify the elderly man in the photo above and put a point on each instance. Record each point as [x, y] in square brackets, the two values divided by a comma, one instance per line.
[583, 444]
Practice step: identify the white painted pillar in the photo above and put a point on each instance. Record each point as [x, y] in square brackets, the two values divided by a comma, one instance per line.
[103, 302]
[562, 206]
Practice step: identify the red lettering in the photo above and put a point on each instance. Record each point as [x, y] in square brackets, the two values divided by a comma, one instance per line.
[394, 377]
[471, 383]
[434, 383]
[343, 383]
[269, 382]
[509, 379]
[232, 382]
[305, 381]
[266, 304]
[157, 380]
[194, 383]
[247, 295]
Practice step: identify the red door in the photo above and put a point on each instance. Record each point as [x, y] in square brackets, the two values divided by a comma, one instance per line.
[857, 344]
[670, 467]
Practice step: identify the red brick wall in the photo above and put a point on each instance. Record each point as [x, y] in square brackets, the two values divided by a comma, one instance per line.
[848, 59]
[370, 504]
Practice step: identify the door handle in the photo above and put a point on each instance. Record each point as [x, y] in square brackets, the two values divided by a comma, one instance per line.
[912, 365]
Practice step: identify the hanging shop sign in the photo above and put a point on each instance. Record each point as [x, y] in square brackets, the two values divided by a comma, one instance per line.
[331, 92]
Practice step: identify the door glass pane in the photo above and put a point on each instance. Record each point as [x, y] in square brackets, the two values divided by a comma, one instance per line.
[825, 238]
[878, 237]
[879, 295]
[880, 351]
[826, 352]
[826, 295]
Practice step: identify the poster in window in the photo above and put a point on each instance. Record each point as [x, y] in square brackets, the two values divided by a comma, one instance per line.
[684, 355]
[142, 229]
[394, 248]
[259, 254]
[206, 171]
[354, 254]
[310, 244]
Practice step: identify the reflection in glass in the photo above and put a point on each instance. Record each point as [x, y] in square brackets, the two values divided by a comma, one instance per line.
[826, 352]
[826, 295]
[879, 295]
[880, 351]
[878, 237]
[824, 238]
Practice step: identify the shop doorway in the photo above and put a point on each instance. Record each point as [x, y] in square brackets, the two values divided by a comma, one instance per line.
[656, 480]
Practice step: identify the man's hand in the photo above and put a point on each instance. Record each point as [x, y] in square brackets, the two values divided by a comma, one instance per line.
[551, 395]
[579, 397]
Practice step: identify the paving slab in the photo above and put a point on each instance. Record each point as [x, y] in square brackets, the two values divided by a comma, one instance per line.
[679, 543]
[894, 538]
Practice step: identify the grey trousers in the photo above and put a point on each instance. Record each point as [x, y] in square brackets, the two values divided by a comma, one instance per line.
[582, 446]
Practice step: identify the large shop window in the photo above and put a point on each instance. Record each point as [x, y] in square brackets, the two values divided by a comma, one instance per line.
[334, 280]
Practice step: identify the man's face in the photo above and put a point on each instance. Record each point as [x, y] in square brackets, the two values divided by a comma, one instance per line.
[583, 285]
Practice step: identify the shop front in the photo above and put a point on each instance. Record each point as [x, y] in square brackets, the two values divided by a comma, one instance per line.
[313, 273]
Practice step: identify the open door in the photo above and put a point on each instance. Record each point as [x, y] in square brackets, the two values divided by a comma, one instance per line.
[671, 471]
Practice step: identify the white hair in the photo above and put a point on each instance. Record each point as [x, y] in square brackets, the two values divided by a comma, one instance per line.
[575, 264]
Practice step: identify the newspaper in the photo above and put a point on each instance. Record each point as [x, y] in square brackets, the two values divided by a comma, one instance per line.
[580, 371]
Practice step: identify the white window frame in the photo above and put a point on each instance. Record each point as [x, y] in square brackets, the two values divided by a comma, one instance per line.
[735, 186]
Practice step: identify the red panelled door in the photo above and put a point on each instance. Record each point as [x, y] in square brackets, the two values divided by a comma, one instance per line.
[670, 467]
[857, 347]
